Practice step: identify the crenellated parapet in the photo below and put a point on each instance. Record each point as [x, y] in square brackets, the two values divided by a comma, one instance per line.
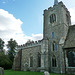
[61, 4]
[56, 6]
[29, 44]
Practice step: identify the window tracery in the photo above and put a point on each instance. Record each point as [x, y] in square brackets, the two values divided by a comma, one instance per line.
[52, 18]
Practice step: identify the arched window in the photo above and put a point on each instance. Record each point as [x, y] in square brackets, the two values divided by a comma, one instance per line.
[31, 61]
[71, 58]
[54, 62]
[39, 60]
[52, 18]
[54, 46]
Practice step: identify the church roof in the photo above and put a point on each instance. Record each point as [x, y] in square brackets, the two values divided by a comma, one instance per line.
[70, 40]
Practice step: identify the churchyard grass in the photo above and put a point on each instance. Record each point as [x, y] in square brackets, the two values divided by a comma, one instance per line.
[10, 72]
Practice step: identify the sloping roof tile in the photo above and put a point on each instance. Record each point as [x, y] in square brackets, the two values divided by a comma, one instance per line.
[70, 40]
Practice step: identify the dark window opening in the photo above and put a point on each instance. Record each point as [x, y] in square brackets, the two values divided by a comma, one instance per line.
[71, 58]
[52, 18]
[54, 62]
[54, 46]
[31, 61]
[39, 60]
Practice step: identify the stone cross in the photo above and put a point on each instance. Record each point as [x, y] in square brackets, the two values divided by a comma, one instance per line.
[55, 2]
[46, 73]
[1, 71]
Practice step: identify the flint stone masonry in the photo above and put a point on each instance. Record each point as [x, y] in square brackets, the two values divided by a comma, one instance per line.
[1, 71]
[26, 54]
[17, 61]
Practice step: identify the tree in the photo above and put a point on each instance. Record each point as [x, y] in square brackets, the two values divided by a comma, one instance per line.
[5, 62]
[12, 44]
[1, 45]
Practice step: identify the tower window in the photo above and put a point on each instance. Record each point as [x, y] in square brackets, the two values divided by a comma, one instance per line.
[54, 46]
[52, 34]
[54, 62]
[52, 18]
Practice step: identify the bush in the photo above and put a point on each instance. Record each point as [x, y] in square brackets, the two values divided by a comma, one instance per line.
[5, 62]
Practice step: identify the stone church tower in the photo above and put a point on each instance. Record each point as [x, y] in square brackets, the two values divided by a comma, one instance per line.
[54, 52]
[56, 24]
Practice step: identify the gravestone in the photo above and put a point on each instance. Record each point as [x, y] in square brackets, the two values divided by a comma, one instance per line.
[46, 73]
[1, 71]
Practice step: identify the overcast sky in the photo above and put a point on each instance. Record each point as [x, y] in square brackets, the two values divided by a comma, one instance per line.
[23, 19]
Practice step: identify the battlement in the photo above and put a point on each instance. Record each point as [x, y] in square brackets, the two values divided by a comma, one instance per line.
[30, 44]
[56, 6]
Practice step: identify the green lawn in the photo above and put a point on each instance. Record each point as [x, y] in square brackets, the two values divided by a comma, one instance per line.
[10, 72]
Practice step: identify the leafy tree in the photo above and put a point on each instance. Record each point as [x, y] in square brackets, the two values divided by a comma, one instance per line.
[12, 44]
[1, 45]
[5, 62]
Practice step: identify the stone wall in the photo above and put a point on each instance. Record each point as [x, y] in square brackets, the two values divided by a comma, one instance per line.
[32, 51]
[17, 61]
[27, 52]
[70, 70]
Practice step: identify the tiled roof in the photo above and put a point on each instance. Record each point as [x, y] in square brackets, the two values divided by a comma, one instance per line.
[70, 40]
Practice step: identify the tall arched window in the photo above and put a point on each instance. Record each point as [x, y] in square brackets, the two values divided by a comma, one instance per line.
[54, 46]
[52, 18]
[71, 58]
[39, 60]
[31, 61]
[54, 64]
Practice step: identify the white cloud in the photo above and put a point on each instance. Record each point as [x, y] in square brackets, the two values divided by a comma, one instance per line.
[10, 27]
[72, 13]
[37, 36]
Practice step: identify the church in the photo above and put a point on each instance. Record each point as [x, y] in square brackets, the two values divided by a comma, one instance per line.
[56, 51]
